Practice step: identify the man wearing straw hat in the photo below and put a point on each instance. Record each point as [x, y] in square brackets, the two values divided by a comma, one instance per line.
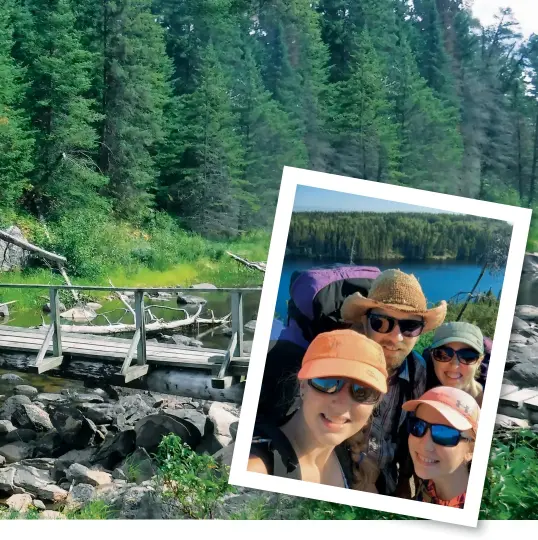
[394, 315]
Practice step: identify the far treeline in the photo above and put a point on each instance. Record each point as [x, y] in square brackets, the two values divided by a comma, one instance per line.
[118, 110]
[355, 236]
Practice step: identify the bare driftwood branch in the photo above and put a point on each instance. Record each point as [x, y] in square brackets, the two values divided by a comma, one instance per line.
[122, 298]
[151, 327]
[68, 282]
[30, 247]
[256, 265]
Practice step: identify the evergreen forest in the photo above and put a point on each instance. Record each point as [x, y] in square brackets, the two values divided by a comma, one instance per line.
[358, 236]
[182, 113]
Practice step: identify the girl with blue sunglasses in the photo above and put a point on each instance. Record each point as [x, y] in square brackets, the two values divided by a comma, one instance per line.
[442, 429]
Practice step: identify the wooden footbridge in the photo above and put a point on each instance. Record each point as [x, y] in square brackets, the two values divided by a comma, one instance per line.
[177, 369]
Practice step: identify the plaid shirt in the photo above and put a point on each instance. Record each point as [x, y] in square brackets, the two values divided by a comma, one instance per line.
[382, 446]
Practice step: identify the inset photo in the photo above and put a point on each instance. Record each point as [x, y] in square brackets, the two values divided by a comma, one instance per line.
[380, 346]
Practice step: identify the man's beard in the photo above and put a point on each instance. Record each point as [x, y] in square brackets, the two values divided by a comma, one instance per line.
[394, 358]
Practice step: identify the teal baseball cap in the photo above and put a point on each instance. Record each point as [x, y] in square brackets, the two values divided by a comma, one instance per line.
[462, 332]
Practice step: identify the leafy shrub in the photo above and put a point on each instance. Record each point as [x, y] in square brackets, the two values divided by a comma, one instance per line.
[195, 481]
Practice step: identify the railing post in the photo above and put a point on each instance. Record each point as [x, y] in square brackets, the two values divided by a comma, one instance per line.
[55, 316]
[140, 325]
[237, 321]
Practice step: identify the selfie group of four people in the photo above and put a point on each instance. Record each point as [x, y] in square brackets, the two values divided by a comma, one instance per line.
[371, 412]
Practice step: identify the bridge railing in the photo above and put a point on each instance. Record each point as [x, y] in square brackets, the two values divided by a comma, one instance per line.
[138, 343]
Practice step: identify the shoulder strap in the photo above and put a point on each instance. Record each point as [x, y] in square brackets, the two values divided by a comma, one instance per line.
[285, 461]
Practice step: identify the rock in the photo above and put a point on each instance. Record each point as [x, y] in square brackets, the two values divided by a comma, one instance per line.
[51, 514]
[31, 417]
[6, 480]
[138, 502]
[512, 412]
[49, 399]
[221, 420]
[6, 426]
[50, 444]
[25, 390]
[20, 502]
[524, 375]
[151, 429]
[40, 505]
[79, 314]
[163, 296]
[48, 309]
[530, 264]
[52, 493]
[118, 474]
[138, 467]
[203, 286]
[235, 503]
[80, 495]
[527, 313]
[11, 378]
[2, 461]
[44, 464]
[225, 455]
[250, 326]
[16, 451]
[74, 428]
[185, 341]
[99, 413]
[87, 398]
[115, 448]
[11, 404]
[13, 257]
[83, 457]
[37, 482]
[21, 434]
[83, 475]
[131, 409]
[93, 305]
[4, 311]
[519, 324]
[517, 338]
[183, 299]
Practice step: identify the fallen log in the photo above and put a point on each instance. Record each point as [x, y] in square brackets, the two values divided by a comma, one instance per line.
[30, 247]
[184, 382]
[151, 327]
[256, 265]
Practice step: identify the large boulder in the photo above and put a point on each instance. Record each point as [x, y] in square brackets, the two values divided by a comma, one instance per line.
[519, 324]
[79, 314]
[203, 286]
[130, 409]
[6, 426]
[99, 413]
[74, 428]
[20, 502]
[151, 429]
[80, 495]
[11, 378]
[11, 404]
[21, 434]
[79, 474]
[6, 480]
[527, 313]
[530, 263]
[50, 444]
[137, 467]
[31, 417]
[13, 257]
[25, 390]
[115, 448]
[16, 451]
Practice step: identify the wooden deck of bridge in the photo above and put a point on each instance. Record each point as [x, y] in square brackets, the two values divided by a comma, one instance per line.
[110, 349]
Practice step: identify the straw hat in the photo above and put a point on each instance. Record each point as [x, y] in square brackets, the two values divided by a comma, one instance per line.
[345, 353]
[396, 290]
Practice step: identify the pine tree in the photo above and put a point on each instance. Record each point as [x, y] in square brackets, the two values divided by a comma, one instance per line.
[16, 141]
[364, 135]
[203, 179]
[269, 144]
[57, 75]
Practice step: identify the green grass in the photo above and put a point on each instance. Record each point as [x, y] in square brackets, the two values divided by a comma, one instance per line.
[93, 510]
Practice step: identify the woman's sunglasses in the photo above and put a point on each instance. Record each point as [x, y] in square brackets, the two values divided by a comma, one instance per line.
[441, 435]
[384, 324]
[445, 354]
[359, 393]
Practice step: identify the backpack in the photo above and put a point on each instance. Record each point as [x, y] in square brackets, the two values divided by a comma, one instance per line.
[276, 451]
[316, 297]
[432, 381]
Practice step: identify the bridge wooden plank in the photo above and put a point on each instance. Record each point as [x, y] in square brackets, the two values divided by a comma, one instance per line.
[507, 389]
[112, 342]
[516, 399]
[238, 365]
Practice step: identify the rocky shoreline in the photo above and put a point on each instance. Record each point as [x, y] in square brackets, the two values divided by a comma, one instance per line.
[58, 451]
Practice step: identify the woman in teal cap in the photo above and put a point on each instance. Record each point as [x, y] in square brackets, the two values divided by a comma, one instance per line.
[455, 356]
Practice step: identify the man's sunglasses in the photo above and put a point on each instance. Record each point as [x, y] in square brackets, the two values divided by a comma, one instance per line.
[359, 393]
[445, 354]
[383, 324]
[441, 435]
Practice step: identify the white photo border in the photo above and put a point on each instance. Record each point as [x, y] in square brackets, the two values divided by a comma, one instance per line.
[519, 218]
